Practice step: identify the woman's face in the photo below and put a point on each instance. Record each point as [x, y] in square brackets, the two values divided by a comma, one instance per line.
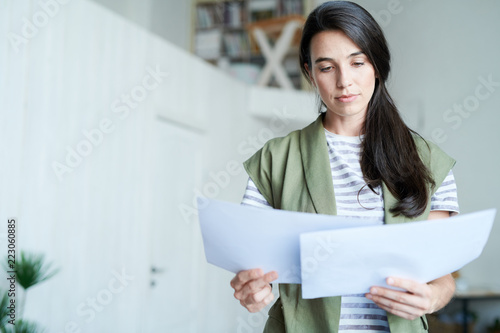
[342, 74]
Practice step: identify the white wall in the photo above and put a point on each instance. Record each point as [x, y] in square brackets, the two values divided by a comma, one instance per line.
[122, 207]
[169, 19]
[136, 11]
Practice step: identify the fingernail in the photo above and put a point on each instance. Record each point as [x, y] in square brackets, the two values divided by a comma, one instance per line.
[390, 281]
[369, 296]
[373, 291]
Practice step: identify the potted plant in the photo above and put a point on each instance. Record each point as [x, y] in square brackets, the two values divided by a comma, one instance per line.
[31, 269]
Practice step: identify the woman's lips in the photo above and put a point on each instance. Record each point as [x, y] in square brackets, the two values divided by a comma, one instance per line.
[347, 98]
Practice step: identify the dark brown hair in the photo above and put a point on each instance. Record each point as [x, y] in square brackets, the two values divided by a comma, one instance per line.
[389, 154]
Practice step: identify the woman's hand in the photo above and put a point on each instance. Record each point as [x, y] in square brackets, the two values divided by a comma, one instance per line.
[418, 299]
[252, 288]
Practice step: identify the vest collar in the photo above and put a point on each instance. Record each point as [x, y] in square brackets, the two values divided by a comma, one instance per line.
[316, 164]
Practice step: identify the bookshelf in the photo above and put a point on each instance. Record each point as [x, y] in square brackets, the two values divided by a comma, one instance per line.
[220, 34]
[220, 30]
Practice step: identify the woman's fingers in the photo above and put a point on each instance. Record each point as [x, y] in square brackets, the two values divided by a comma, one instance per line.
[404, 311]
[399, 303]
[411, 286]
[409, 304]
[256, 307]
[244, 276]
[252, 288]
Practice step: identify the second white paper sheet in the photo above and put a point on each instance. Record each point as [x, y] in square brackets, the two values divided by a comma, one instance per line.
[350, 261]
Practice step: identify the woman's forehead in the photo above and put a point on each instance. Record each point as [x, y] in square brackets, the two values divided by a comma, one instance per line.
[333, 44]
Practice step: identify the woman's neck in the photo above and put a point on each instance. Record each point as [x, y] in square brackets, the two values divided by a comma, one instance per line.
[343, 125]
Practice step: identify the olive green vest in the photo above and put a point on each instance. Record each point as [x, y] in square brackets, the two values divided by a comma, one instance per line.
[293, 173]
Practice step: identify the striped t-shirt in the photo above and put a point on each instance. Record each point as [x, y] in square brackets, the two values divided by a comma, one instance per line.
[359, 314]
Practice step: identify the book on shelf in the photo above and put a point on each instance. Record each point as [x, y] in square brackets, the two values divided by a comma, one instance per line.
[291, 7]
[207, 44]
[209, 16]
[262, 9]
[227, 14]
[234, 14]
[236, 44]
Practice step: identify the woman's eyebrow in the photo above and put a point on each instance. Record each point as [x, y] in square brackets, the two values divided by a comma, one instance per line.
[355, 54]
[330, 59]
[322, 59]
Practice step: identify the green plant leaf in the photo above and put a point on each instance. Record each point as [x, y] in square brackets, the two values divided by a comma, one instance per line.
[4, 302]
[31, 269]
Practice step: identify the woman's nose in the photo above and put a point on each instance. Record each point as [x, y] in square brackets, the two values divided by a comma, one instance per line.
[343, 79]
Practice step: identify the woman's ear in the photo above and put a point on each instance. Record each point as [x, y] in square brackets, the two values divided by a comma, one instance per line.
[310, 75]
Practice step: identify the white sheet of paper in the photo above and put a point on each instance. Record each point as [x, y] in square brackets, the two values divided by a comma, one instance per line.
[239, 237]
[350, 261]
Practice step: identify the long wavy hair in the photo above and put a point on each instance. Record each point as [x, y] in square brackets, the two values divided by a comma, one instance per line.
[389, 154]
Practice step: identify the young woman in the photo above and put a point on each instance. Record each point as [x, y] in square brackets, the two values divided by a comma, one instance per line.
[357, 159]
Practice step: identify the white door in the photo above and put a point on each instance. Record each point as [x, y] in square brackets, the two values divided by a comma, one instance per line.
[174, 242]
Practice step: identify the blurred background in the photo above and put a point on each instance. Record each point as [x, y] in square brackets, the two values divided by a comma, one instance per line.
[115, 114]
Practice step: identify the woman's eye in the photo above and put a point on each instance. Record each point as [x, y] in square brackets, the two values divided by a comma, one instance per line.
[358, 64]
[325, 69]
